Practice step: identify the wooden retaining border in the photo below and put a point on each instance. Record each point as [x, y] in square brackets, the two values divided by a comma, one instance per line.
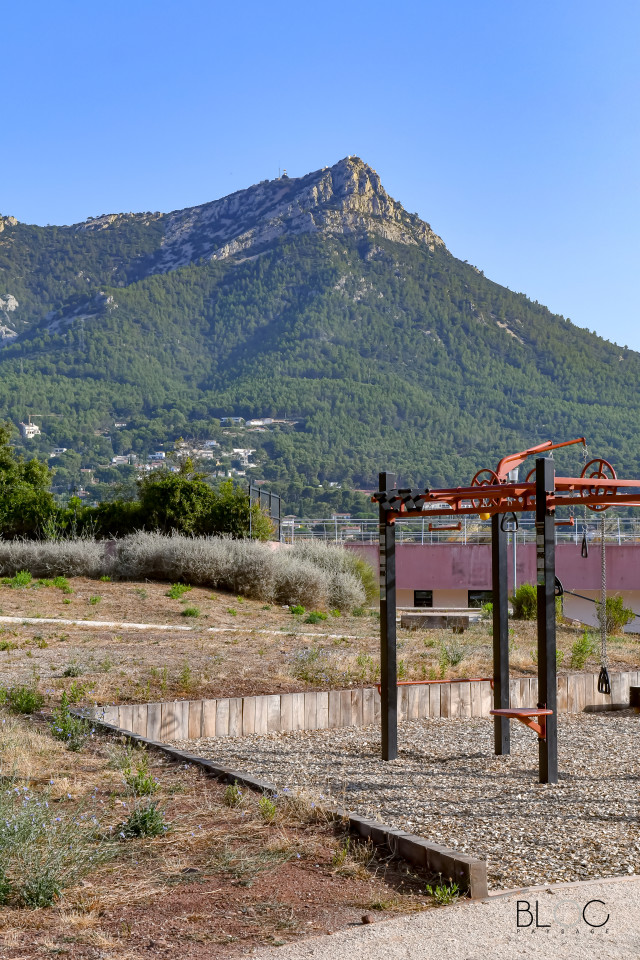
[357, 707]
[468, 872]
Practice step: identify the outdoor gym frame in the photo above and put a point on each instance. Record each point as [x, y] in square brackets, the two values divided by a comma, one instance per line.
[492, 494]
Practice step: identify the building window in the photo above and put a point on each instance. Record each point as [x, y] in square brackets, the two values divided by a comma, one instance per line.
[478, 597]
[423, 598]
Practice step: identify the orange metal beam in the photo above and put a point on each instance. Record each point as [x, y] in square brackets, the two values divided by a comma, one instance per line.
[514, 460]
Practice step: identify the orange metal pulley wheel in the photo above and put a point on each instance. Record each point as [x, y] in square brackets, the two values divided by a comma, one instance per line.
[598, 469]
[484, 478]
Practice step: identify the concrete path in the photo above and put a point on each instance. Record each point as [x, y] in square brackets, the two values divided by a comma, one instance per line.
[172, 627]
[488, 930]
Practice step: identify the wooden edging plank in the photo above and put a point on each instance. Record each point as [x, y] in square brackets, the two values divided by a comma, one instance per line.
[469, 873]
[357, 706]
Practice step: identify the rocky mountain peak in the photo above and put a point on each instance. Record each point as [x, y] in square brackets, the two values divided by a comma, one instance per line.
[347, 198]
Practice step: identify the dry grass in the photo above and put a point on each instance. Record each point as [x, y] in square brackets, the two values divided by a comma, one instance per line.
[209, 881]
[250, 650]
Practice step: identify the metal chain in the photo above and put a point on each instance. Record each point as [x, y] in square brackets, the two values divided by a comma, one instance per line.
[585, 460]
[603, 595]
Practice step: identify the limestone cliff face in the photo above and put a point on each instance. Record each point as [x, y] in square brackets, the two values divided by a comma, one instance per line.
[8, 304]
[347, 198]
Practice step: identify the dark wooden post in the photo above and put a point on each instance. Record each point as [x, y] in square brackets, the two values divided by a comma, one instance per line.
[546, 578]
[388, 676]
[501, 731]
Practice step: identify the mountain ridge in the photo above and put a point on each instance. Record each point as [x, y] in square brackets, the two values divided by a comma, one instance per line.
[318, 295]
[346, 198]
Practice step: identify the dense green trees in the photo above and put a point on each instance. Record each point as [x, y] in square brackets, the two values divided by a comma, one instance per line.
[190, 505]
[390, 356]
[174, 503]
[171, 502]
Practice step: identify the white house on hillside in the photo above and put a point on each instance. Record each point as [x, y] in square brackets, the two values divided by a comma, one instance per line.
[29, 430]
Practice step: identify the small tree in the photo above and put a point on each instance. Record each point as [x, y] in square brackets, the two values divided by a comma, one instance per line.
[525, 602]
[176, 502]
[617, 615]
[231, 514]
[190, 505]
[26, 505]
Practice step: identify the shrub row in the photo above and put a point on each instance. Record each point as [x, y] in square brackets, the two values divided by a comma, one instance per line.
[313, 575]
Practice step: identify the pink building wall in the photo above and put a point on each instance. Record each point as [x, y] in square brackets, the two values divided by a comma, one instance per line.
[453, 565]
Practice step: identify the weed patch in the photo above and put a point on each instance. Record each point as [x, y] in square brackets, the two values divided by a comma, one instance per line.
[353, 858]
[316, 616]
[42, 851]
[177, 590]
[191, 612]
[72, 669]
[583, 648]
[73, 730]
[145, 821]
[232, 796]
[22, 699]
[444, 893]
[139, 779]
[20, 580]
[267, 808]
[367, 670]
[451, 654]
[314, 665]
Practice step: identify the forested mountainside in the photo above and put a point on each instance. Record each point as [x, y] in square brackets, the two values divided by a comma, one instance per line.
[317, 300]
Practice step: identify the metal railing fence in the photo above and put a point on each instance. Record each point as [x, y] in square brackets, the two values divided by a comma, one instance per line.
[618, 530]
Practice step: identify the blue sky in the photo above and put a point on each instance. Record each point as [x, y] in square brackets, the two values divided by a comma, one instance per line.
[512, 128]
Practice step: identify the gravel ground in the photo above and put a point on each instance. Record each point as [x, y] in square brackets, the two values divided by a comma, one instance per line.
[447, 786]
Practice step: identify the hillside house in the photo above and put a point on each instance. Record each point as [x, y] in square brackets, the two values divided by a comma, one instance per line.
[29, 430]
[261, 422]
[243, 455]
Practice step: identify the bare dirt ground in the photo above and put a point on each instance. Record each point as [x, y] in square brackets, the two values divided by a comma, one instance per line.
[220, 881]
[233, 646]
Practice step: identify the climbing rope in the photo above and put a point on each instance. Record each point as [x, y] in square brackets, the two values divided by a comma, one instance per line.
[585, 543]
